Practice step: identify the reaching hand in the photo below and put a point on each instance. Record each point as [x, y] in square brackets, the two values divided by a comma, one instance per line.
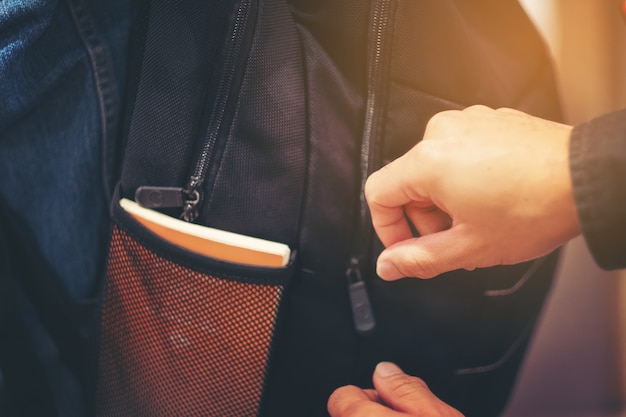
[484, 187]
[396, 394]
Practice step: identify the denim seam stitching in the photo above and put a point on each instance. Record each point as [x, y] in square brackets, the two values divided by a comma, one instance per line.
[100, 59]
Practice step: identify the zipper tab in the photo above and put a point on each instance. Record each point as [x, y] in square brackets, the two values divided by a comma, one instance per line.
[167, 197]
[159, 197]
[362, 312]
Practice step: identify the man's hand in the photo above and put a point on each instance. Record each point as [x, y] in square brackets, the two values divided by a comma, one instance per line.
[396, 394]
[485, 187]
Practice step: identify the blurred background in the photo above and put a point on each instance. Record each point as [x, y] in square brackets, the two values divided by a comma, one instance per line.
[577, 362]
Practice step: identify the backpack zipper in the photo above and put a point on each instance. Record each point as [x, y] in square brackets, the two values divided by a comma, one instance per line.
[364, 320]
[194, 186]
[190, 196]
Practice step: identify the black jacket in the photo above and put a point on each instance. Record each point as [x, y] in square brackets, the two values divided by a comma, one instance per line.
[598, 166]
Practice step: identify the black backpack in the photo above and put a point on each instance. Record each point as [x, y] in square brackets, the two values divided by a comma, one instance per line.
[264, 118]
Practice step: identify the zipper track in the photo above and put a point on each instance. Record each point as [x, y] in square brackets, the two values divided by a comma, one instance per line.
[379, 28]
[190, 196]
[363, 315]
[222, 99]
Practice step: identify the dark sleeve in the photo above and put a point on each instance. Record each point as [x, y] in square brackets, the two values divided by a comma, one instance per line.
[598, 167]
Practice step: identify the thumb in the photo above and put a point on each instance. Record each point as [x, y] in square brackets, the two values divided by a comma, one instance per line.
[428, 256]
[408, 394]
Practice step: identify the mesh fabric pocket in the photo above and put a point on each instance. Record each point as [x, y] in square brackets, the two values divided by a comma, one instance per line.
[177, 342]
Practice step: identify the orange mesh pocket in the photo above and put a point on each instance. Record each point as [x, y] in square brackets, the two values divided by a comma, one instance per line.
[177, 342]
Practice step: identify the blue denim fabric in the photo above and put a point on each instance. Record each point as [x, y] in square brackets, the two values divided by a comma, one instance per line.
[56, 87]
[61, 70]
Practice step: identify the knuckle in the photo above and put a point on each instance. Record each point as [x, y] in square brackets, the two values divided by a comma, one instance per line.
[508, 110]
[477, 108]
[341, 403]
[418, 265]
[407, 386]
[340, 408]
[356, 409]
[441, 120]
[337, 399]
[342, 392]
[413, 390]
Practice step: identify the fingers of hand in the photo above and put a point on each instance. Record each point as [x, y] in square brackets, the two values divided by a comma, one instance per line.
[429, 256]
[477, 109]
[454, 124]
[390, 224]
[440, 125]
[351, 401]
[409, 394]
[387, 192]
[428, 220]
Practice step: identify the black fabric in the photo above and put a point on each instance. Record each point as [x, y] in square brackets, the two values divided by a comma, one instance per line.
[185, 42]
[266, 144]
[598, 169]
[426, 327]
[14, 343]
[451, 54]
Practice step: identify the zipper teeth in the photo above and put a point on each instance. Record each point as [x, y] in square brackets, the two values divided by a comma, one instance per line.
[362, 312]
[222, 94]
[379, 27]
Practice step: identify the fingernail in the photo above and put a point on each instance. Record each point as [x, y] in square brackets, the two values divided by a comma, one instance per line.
[386, 369]
[386, 270]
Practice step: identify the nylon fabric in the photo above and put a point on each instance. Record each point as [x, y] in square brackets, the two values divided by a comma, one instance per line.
[177, 57]
[266, 143]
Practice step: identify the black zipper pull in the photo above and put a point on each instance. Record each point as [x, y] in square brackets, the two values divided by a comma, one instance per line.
[362, 312]
[159, 197]
[155, 197]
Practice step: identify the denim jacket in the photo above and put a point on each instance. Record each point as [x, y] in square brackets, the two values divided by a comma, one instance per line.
[62, 69]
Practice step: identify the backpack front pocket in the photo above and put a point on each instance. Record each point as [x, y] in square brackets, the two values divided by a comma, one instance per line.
[183, 334]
